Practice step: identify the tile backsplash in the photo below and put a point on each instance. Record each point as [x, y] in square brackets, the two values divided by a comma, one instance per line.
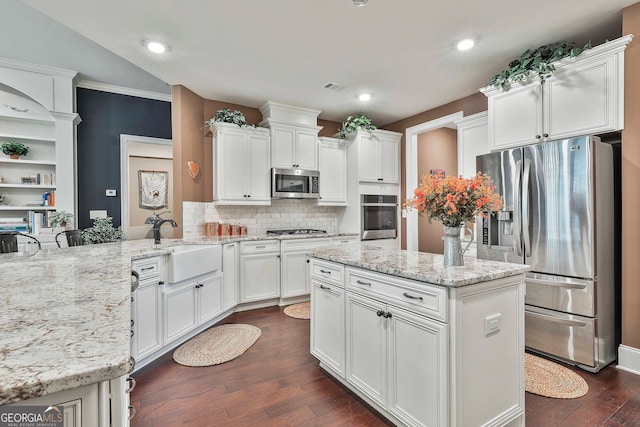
[258, 219]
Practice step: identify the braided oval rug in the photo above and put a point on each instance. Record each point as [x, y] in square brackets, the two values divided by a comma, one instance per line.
[549, 379]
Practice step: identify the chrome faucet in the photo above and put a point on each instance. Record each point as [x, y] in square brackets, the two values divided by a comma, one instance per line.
[157, 222]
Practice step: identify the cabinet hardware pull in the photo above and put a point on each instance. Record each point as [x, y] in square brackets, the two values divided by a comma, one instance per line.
[132, 333]
[248, 195]
[363, 283]
[325, 271]
[406, 295]
[307, 261]
[380, 313]
[386, 315]
[147, 268]
[161, 282]
[260, 247]
[546, 135]
[132, 323]
[132, 362]
[131, 299]
[132, 411]
[324, 287]
[538, 137]
[132, 384]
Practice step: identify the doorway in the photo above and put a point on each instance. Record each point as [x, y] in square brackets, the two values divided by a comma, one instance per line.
[413, 173]
[148, 154]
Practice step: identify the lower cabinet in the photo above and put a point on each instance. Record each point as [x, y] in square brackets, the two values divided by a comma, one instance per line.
[230, 278]
[327, 324]
[294, 278]
[147, 319]
[191, 303]
[259, 270]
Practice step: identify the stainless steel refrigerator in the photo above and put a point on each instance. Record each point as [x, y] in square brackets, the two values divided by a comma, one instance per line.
[558, 217]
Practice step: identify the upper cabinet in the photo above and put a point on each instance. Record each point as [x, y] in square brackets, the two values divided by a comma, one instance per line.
[241, 165]
[378, 154]
[294, 135]
[585, 95]
[333, 172]
[473, 140]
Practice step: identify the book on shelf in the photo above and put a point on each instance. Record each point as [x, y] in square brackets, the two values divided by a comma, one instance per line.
[15, 227]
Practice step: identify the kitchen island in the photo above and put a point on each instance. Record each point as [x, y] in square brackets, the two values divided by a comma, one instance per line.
[421, 343]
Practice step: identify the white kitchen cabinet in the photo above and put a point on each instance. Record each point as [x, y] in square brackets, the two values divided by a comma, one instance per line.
[333, 172]
[241, 165]
[191, 303]
[147, 307]
[378, 156]
[407, 345]
[473, 140]
[230, 275]
[294, 274]
[294, 146]
[585, 95]
[259, 270]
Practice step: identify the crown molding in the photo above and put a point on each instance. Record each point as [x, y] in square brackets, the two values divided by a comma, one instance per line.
[104, 87]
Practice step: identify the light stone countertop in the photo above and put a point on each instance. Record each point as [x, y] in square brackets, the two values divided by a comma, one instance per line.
[420, 266]
[65, 313]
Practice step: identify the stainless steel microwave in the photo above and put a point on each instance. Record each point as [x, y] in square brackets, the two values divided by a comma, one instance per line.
[295, 184]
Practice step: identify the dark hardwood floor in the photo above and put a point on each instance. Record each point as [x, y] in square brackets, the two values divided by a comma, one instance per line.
[278, 383]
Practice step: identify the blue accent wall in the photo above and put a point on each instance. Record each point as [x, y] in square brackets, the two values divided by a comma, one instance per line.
[104, 117]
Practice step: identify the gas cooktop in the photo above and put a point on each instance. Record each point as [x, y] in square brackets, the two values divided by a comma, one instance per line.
[296, 231]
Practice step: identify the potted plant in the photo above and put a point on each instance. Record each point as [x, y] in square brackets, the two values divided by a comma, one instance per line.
[14, 149]
[102, 231]
[60, 218]
[538, 61]
[353, 123]
[228, 116]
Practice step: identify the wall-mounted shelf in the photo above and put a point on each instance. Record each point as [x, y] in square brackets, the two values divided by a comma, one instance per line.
[5, 135]
[27, 208]
[29, 186]
[29, 162]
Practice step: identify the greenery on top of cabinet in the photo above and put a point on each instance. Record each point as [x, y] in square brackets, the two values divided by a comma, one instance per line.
[353, 123]
[227, 116]
[538, 61]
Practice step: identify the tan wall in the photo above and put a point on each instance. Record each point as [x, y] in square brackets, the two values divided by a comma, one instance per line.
[630, 180]
[437, 149]
[469, 105]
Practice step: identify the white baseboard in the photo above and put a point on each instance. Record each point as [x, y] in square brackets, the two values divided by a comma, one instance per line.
[629, 359]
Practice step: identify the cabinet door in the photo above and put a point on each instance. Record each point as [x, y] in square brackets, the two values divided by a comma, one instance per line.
[283, 147]
[294, 274]
[180, 311]
[209, 298]
[389, 160]
[473, 140]
[333, 174]
[257, 169]
[307, 150]
[368, 158]
[582, 99]
[148, 319]
[515, 117]
[418, 369]
[231, 165]
[327, 325]
[230, 275]
[366, 347]
[259, 276]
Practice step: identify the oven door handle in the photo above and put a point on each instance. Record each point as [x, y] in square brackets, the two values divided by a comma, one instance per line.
[379, 204]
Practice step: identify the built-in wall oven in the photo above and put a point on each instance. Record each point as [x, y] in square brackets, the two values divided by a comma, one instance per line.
[379, 216]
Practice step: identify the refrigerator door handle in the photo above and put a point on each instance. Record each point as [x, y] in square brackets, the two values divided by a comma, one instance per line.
[517, 214]
[554, 319]
[525, 207]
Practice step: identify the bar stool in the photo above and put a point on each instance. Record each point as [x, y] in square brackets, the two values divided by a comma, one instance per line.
[9, 241]
[74, 238]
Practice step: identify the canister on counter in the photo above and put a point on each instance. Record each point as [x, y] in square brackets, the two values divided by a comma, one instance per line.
[243, 230]
[210, 229]
[235, 230]
[224, 229]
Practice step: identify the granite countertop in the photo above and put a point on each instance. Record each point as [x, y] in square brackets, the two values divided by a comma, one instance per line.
[420, 266]
[65, 313]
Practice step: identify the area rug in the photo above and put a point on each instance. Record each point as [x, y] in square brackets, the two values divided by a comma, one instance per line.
[299, 311]
[217, 345]
[546, 378]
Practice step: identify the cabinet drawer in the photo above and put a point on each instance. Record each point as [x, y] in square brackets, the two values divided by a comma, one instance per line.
[147, 267]
[302, 244]
[415, 296]
[259, 246]
[327, 271]
[344, 239]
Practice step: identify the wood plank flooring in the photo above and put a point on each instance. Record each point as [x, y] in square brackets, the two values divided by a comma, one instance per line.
[278, 383]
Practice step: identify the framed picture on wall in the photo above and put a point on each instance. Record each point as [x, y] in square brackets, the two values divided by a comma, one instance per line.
[153, 189]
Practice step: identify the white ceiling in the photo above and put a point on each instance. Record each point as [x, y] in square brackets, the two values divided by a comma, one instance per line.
[402, 52]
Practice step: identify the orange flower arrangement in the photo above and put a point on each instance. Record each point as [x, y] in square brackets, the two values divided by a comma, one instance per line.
[454, 200]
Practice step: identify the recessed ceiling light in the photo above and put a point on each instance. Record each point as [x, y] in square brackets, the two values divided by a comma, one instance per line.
[364, 97]
[465, 44]
[156, 47]
[359, 2]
